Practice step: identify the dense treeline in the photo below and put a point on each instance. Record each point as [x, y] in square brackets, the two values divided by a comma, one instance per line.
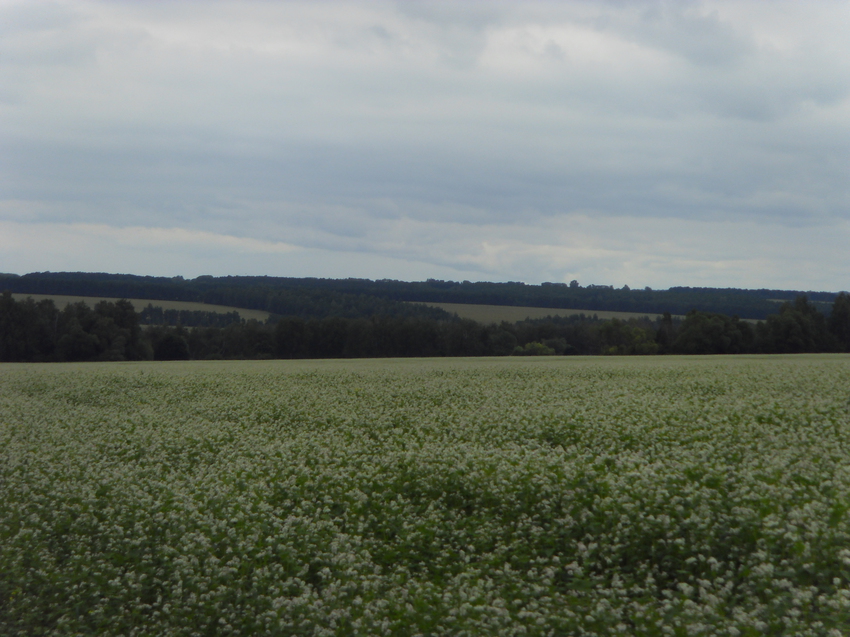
[283, 297]
[38, 331]
[155, 315]
[362, 298]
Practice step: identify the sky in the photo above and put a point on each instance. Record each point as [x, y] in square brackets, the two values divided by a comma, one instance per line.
[656, 143]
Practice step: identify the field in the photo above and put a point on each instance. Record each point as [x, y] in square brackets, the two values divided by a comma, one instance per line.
[61, 300]
[497, 313]
[556, 496]
[482, 313]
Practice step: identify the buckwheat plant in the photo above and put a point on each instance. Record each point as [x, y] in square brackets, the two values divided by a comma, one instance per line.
[566, 496]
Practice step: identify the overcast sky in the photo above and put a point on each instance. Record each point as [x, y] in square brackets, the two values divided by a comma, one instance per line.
[641, 143]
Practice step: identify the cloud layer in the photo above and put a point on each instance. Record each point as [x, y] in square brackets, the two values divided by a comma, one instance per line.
[648, 143]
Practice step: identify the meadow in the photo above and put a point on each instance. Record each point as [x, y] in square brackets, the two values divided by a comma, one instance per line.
[551, 496]
[512, 313]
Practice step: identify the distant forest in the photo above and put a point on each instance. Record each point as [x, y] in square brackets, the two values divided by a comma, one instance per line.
[37, 331]
[361, 298]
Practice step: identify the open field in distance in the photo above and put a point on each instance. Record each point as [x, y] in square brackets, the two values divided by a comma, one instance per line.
[481, 313]
[500, 496]
[62, 300]
[498, 313]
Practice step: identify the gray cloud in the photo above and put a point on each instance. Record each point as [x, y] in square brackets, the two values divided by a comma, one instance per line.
[688, 30]
[434, 137]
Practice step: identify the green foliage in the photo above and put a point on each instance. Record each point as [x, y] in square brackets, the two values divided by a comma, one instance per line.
[621, 338]
[31, 331]
[799, 327]
[839, 321]
[643, 496]
[171, 346]
[154, 315]
[533, 349]
[27, 329]
[362, 298]
[702, 333]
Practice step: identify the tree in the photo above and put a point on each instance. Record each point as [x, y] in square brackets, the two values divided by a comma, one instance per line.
[705, 333]
[839, 321]
[533, 349]
[171, 346]
[27, 329]
[76, 344]
[502, 342]
[666, 333]
[626, 337]
[799, 327]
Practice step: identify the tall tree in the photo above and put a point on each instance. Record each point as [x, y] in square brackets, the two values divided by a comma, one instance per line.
[839, 321]
[799, 327]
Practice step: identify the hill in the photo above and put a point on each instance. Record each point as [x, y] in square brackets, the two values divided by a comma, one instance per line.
[488, 314]
[354, 298]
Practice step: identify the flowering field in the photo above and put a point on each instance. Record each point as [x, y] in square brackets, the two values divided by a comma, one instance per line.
[659, 496]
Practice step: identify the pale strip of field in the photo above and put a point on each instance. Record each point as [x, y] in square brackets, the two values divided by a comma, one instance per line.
[512, 314]
[61, 300]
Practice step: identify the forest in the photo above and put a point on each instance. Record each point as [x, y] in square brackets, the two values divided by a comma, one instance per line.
[38, 331]
[362, 298]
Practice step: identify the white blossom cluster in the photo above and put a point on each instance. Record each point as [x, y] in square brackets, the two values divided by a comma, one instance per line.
[565, 496]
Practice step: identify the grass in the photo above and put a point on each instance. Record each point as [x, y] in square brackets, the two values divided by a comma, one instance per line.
[498, 313]
[597, 496]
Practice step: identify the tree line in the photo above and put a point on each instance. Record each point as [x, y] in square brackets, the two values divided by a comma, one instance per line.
[362, 298]
[39, 331]
[156, 315]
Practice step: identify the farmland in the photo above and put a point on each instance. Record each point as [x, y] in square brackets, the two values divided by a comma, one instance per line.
[646, 496]
[497, 313]
[482, 313]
